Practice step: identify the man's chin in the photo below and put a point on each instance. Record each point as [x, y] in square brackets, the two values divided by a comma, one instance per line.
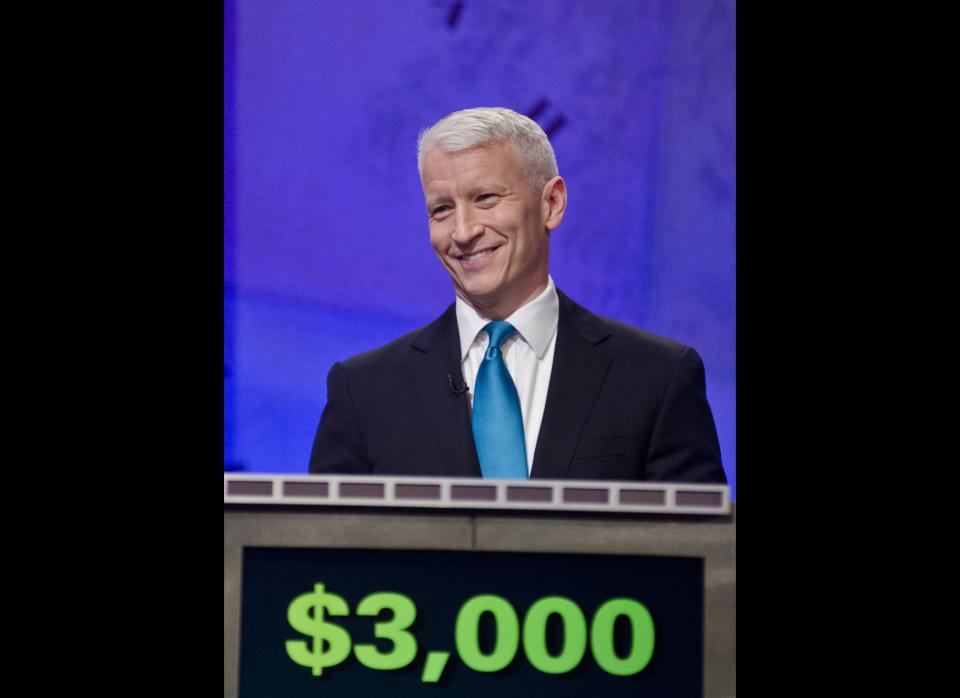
[481, 298]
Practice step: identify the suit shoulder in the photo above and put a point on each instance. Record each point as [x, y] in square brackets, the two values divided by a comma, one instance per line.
[395, 351]
[618, 337]
[626, 337]
[380, 355]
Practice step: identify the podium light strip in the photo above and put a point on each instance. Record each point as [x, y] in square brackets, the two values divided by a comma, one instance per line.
[468, 493]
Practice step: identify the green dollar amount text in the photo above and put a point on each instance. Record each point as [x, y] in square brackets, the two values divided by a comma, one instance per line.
[330, 644]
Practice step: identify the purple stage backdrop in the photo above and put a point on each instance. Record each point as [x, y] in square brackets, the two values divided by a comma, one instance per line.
[326, 249]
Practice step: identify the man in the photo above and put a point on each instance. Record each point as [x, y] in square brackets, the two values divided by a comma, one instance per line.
[561, 393]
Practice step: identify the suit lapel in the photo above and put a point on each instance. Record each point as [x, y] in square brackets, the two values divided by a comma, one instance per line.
[579, 369]
[435, 355]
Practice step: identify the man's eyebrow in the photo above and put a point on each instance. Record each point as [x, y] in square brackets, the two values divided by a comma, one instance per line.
[489, 187]
[438, 199]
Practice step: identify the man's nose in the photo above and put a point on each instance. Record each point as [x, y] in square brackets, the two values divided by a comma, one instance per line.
[466, 229]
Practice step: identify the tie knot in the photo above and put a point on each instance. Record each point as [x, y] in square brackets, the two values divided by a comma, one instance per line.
[499, 331]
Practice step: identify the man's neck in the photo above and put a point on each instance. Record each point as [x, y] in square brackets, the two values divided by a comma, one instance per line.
[503, 310]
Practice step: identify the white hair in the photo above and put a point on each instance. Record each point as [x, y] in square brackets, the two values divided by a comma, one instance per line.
[470, 128]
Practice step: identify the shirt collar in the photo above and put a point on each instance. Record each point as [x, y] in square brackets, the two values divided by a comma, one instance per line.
[536, 321]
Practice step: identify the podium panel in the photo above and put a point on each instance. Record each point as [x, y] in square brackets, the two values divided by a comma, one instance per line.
[506, 598]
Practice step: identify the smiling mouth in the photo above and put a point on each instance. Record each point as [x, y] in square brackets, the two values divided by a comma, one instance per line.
[476, 255]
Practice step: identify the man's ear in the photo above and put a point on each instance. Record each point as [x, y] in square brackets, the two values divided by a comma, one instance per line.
[554, 202]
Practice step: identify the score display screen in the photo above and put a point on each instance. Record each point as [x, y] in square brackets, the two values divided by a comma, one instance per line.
[344, 622]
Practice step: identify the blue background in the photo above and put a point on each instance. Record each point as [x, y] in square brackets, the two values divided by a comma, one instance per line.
[326, 249]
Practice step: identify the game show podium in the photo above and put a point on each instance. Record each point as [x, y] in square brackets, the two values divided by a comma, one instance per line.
[389, 586]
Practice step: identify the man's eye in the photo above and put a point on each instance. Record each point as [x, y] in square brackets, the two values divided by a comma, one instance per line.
[485, 197]
[440, 209]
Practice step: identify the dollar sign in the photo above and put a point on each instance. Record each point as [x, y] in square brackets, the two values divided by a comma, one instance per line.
[336, 638]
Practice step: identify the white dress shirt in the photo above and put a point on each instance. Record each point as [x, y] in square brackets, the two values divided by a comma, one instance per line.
[528, 355]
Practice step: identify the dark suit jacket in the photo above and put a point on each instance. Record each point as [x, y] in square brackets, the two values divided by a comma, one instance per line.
[622, 404]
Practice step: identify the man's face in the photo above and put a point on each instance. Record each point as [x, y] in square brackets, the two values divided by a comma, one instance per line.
[489, 227]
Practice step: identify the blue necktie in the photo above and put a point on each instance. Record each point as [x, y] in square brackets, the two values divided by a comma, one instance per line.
[497, 421]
